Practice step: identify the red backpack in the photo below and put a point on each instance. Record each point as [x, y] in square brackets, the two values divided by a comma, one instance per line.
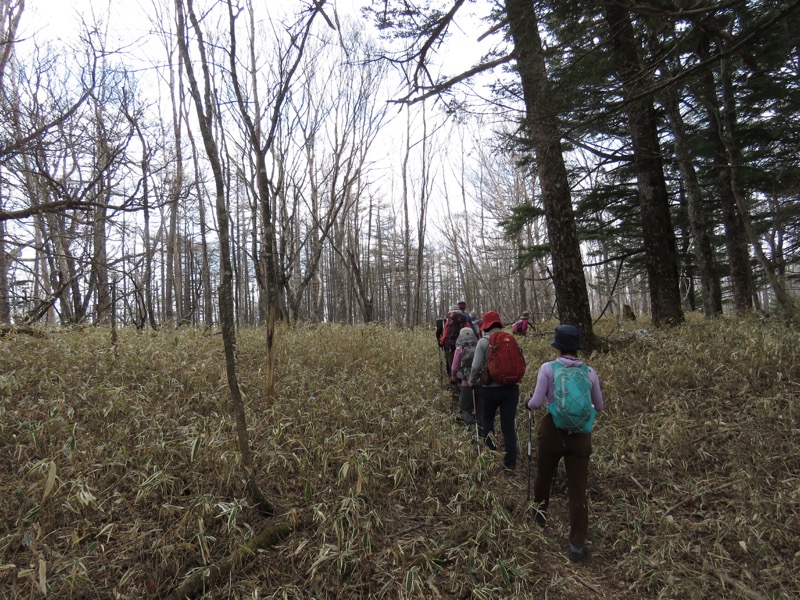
[505, 362]
[455, 321]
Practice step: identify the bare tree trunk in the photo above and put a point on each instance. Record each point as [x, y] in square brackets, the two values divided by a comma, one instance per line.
[205, 110]
[173, 298]
[10, 15]
[422, 222]
[407, 221]
[208, 303]
[100, 255]
[147, 283]
[260, 144]
[5, 303]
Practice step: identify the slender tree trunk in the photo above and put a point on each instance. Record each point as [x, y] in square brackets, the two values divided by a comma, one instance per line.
[698, 220]
[10, 16]
[736, 242]
[147, 283]
[5, 304]
[100, 254]
[261, 144]
[173, 283]
[205, 110]
[407, 221]
[785, 303]
[422, 222]
[569, 279]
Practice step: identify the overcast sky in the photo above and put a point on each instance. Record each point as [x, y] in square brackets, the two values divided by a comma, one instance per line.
[129, 21]
[129, 28]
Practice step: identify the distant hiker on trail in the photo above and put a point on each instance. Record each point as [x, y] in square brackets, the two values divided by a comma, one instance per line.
[463, 307]
[498, 367]
[476, 320]
[439, 337]
[454, 322]
[572, 391]
[520, 326]
[460, 372]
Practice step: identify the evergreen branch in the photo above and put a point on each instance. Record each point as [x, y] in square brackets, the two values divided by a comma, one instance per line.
[700, 66]
[445, 85]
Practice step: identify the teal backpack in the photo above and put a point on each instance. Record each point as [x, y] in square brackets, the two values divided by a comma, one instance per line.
[572, 408]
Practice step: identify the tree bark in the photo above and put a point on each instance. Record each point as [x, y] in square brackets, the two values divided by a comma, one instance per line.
[5, 292]
[422, 221]
[785, 303]
[569, 279]
[205, 111]
[698, 219]
[658, 235]
[735, 237]
[172, 302]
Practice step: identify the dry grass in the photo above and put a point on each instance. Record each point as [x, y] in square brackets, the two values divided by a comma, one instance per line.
[120, 476]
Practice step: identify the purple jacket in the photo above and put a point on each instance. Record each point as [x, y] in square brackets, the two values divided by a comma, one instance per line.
[545, 384]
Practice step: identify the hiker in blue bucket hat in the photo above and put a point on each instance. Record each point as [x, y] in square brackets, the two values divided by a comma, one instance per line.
[572, 391]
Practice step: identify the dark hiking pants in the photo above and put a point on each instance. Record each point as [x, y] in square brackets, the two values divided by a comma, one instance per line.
[449, 351]
[503, 398]
[551, 445]
[455, 392]
[469, 404]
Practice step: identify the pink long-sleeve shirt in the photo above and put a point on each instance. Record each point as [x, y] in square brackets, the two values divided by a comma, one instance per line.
[455, 366]
[545, 384]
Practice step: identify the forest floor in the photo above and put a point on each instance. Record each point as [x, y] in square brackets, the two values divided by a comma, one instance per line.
[120, 475]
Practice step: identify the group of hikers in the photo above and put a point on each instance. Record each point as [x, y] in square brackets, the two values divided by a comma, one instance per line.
[485, 366]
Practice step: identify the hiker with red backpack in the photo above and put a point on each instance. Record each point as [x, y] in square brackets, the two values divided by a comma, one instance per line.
[459, 374]
[498, 367]
[454, 322]
[572, 391]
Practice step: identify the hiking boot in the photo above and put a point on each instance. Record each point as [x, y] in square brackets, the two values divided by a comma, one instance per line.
[577, 555]
[539, 517]
[509, 471]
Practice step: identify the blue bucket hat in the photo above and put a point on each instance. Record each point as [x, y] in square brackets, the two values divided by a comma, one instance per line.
[567, 338]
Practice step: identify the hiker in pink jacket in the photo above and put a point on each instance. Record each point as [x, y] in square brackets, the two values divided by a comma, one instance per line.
[459, 372]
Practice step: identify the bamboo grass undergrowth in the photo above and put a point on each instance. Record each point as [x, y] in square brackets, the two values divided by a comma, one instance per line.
[121, 475]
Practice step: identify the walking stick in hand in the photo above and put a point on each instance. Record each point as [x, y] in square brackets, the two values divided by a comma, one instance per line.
[530, 430]
[441, 366]
[477, 419]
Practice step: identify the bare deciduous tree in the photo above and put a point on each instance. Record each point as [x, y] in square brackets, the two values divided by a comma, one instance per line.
[204, 103]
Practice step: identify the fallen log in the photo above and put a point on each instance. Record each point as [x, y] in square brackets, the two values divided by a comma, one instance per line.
[193, 586]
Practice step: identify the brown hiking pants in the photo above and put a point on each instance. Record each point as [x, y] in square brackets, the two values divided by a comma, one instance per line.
[551, 445]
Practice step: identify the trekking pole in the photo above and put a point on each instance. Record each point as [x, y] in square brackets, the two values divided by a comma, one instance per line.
[530, 430]
[477, 420]
[441, 367]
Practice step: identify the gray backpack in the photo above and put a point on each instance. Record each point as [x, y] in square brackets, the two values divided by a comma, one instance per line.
[465, 366]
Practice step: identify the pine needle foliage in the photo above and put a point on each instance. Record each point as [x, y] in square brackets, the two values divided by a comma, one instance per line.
[120, 470]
